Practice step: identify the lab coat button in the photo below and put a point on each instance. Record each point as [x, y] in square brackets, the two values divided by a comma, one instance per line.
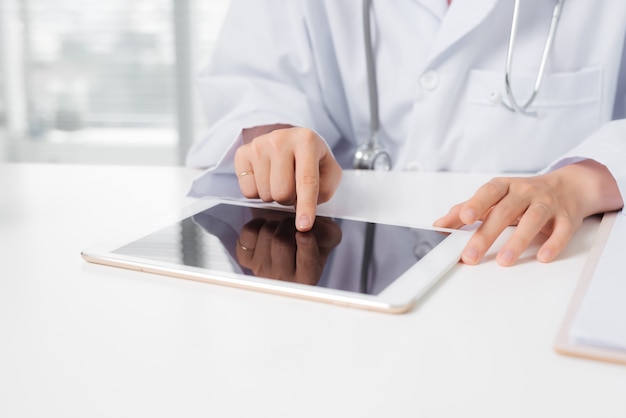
[495, 98]
[429, 80]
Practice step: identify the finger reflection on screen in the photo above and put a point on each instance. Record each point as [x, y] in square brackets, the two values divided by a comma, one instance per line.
[274, 248]
[337, 253]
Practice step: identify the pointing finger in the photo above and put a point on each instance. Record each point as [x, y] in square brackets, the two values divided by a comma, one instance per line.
[307, 185]
[451, 219]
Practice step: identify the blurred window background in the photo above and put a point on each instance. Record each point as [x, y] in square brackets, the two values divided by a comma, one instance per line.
[108, 82]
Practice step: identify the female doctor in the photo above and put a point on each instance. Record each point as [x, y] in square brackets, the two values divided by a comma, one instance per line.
[469, 86]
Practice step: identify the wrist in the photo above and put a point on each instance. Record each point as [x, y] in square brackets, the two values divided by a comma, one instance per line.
[591, 185]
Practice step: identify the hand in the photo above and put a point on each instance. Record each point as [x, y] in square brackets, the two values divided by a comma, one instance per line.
[292, 166]
[274, 248]
[553, 204]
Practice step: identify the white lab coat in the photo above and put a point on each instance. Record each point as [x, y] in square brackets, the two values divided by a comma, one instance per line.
[440, 74]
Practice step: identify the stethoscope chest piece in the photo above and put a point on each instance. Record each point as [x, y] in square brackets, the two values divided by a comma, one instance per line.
[371, 157]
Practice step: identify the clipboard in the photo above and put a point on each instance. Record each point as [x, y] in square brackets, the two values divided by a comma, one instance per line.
[563, 343]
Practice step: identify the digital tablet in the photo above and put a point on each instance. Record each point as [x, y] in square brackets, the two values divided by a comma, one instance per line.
[343, 261]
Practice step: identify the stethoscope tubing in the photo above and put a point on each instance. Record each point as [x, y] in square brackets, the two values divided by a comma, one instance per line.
[513, 104]
[372, 87]
[368, 153]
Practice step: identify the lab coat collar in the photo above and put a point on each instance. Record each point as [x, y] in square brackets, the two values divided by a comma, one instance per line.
[460, 19]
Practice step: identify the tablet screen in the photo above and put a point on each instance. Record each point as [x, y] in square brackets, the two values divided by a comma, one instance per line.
[337, 253]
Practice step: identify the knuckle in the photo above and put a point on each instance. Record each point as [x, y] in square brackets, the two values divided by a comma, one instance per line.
[243, 156]
[308, 138]
[265, 195]
[537, 214]
[284, 197]
[310, 181]
[249, 194]
[240, 153]
[548, 203]
[479, 240]
[254, 148]
[268, 143]
[248, 190]
[505, 214]
[524, 188]
[275, 140]
[493, 187]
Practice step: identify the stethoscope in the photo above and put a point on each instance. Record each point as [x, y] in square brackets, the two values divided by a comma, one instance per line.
[371, 156]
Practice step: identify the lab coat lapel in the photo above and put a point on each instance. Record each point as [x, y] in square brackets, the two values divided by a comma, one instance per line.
[436, 7]
[461, 18]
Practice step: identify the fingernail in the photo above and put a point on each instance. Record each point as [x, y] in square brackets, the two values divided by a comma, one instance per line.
[544, 255]
[437, 222]
[468, 216]
[505, 257]
[470, 256]
[303, 222]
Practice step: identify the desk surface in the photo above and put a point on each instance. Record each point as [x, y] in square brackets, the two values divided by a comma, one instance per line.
[87, 340]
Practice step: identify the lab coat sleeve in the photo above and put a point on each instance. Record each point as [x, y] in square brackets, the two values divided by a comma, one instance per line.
[262, 72]
[606, 146]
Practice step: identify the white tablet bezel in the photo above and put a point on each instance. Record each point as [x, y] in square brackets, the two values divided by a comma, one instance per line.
[400, 296]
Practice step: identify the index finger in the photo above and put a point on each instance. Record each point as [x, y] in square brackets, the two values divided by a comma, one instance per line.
[308, 268]
[485, 197]
[307, 187]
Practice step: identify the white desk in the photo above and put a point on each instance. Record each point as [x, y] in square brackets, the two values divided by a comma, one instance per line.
[82, 340]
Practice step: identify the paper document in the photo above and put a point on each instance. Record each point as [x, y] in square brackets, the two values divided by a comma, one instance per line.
[601, 319]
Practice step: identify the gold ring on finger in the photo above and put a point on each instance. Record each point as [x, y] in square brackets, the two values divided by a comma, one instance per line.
[243, 247]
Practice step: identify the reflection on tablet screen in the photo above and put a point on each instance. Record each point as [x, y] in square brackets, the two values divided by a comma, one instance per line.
[337, 253]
